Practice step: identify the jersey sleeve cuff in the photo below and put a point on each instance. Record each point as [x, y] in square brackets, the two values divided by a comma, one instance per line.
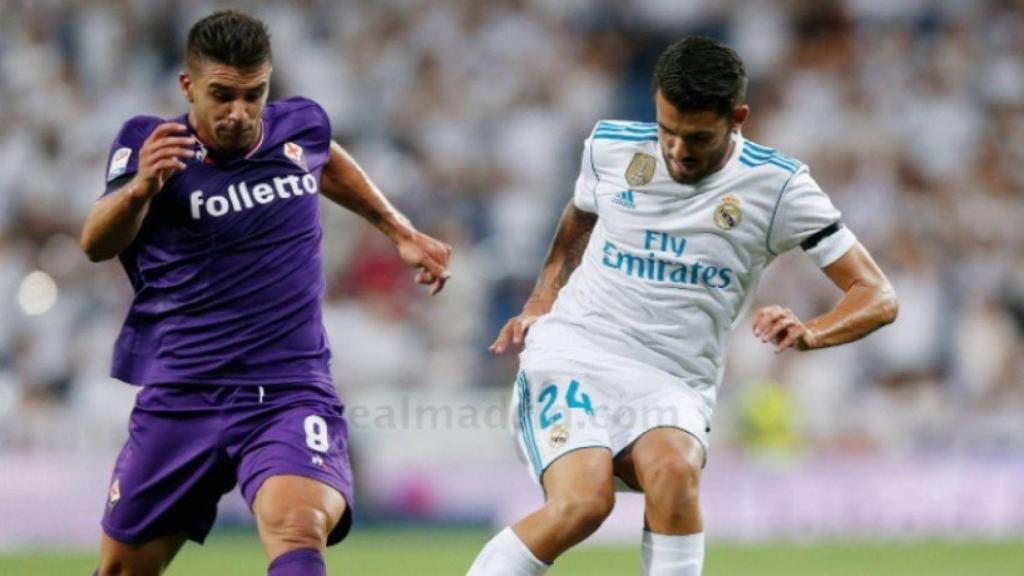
[584, 205]
[832, 248]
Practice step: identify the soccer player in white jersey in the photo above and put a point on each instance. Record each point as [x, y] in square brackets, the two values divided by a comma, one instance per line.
[655, 258]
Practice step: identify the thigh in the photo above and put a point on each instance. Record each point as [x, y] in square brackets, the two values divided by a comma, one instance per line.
[656, 447]
[170, 474]
[651, 404]
[281, 495]
[584, 472]
[307, 441]
[557, 413]
[146, 559]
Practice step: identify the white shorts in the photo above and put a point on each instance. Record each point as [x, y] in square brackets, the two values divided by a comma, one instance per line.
[560, 405]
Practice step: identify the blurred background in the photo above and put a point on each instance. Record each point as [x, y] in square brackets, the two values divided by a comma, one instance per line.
[470, 115]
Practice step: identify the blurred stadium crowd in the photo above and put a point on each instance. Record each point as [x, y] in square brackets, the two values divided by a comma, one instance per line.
[470, 115]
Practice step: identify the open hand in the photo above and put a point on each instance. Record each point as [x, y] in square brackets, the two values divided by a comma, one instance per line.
[514, 331]
[430, 256]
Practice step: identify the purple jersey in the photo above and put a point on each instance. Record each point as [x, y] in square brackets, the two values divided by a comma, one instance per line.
[227, 269]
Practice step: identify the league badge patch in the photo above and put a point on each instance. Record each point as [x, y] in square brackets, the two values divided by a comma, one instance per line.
[118, 162]
[728, 214]
[641, 169]
[115, 493]
[295, 153]
[201, 152]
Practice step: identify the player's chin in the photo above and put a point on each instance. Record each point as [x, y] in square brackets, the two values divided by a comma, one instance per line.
[687, 174]
[233, 141]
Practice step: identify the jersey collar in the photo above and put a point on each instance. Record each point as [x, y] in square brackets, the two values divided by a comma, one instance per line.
[205, 155]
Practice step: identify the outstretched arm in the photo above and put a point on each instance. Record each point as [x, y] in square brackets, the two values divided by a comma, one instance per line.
[868, 304]
[345, 183]
[564, 256]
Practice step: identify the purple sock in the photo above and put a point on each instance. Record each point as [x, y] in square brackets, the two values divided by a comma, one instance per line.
[300, 562]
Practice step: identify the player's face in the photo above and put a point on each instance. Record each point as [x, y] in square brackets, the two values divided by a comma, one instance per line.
[695, 143]
[227, 103]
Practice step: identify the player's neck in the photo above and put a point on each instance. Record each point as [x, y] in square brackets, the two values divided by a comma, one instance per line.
[725, 157]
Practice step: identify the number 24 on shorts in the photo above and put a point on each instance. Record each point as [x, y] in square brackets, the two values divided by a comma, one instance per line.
[573, 399]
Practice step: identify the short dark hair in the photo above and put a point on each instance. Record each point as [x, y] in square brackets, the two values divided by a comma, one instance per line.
[699, 73]
[228, 37]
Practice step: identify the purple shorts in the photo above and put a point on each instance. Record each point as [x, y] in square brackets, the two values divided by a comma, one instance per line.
[189, 445]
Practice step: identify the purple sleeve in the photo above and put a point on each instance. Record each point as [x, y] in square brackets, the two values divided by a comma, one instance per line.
[123, 160]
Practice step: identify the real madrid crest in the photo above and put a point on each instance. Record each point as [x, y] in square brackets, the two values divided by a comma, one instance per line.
[728, 214]
[559, 436]
[641, 169]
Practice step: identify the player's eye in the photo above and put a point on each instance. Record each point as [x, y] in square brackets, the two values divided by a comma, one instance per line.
[222, 96]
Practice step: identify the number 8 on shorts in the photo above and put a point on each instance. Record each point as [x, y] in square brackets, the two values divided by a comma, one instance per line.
[316, 433]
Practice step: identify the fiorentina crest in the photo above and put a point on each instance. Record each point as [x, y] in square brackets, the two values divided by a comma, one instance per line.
[295, 153]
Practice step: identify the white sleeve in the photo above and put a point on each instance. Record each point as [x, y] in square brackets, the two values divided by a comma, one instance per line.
[805, 217]
[586, 184]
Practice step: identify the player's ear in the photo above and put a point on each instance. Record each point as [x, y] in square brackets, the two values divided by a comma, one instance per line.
[739, 116]
[187, 87]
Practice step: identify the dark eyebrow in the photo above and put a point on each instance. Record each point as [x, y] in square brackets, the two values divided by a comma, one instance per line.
[260, 87]
[707, 133]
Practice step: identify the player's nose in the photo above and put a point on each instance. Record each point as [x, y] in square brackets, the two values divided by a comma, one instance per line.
[677, 149]
[238, 110]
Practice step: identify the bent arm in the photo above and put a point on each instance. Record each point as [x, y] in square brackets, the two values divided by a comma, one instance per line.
[116, 218]
[564, 254]
[345, 183]
[114, 222]
[868, 303]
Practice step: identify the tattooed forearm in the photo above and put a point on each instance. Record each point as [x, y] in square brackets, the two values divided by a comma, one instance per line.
[566, 251]
[575, 244]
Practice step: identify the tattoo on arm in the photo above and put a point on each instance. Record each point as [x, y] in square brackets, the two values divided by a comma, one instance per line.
[566, 250]
[576, 244]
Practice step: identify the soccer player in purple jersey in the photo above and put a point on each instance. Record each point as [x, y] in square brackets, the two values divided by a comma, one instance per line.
[215, 218]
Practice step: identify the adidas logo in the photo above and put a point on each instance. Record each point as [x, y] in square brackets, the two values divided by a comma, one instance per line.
[625, 199]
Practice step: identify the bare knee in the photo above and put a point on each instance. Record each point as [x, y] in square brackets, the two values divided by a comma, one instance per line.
[672, 482]
[111, 567]
[582, 514]
[300, 527]
[118, 565]
[147, 559]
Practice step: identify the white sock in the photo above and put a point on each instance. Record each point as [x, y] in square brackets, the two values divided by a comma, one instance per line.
[667, 555]
[506, 555]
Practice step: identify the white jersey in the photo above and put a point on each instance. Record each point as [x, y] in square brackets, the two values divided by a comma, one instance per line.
[670, 267]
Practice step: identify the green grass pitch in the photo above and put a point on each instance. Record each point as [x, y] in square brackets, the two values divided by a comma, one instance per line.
[429, 552]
